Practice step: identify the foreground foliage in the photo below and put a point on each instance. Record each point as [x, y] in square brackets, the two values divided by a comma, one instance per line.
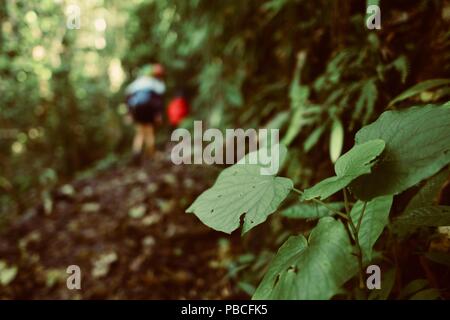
[392, 154]
[308, 68]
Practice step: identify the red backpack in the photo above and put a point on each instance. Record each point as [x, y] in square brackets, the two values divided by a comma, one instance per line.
[177, 110]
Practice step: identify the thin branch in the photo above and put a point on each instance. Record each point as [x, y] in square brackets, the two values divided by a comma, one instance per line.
[361, 216]
[359, 253]
[347, 209]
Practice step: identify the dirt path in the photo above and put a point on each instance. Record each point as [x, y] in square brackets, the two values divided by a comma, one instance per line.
[127, 230]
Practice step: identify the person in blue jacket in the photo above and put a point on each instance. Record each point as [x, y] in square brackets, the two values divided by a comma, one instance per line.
[144, 98]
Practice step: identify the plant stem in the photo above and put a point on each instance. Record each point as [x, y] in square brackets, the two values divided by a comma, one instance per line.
[361, 216]
[359, 253]
[355, 231]
[342, 215]
[347, 209]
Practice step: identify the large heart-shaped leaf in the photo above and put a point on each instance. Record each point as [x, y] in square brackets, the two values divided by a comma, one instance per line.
[374, 220]
[240, 189]
[356, 162]
[313, 269]
[417, 146]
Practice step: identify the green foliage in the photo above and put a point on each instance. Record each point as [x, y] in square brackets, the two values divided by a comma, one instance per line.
[374, 217]
[310, 269]
[294, 65]
[366, 100]
[317, 268]
[426, 197]
[430, 216]
[240, 189]
[336, 140]
[57, 106]
[356, 162]
[417, 146]
[428, 194]
[7, 273]
[313, 138]
[298, 95]
[388, 282]
[311, 210]
[413, 287]
[427, 294]
[419, 88]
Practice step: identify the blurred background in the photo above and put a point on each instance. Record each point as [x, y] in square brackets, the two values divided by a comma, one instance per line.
[67, 194]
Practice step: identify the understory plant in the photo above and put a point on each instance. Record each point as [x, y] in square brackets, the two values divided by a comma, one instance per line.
[401, 150]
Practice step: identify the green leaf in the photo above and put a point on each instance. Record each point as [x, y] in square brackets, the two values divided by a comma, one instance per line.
[372, 2]
[327, 187]
[310, 210]
[280, 149]
[431, 216]
[275, 5]
[427, 294]
[234, 95]
[417, 146]
[7, 274]
[298, 95]
[296, 124]
[313, 269]
[425, 197]
[336, 140]
[313, 138]
[367, 99]
[439, 257]
[429, 193]
[418, 88]
[387, 283]
[246, 287]
[413, 287]
[278, 121]
[374, 220]
[240, 189]
[402, 66]
[356, 162]
[360, 159]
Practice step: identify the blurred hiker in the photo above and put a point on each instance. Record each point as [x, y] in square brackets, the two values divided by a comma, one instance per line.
[178, 109]
[144, 97]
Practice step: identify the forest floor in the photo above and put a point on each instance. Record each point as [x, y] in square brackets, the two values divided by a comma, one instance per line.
[126, 228]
